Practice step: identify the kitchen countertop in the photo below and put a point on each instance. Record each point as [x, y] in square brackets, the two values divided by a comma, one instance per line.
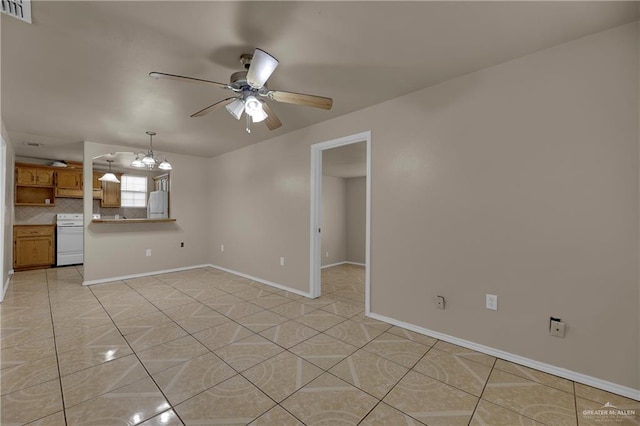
[144, 220]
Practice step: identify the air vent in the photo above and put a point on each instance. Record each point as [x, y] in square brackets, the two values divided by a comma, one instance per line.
[20, 9]
[32, 144]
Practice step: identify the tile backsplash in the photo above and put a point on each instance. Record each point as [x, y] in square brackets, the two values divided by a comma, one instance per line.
[123, 212]
[32, 215]
[28, 215]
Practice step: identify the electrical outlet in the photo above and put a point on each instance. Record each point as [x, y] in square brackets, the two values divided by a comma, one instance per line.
[148, 252]
[556, 327]
[439, 300]
[492, 302]
[282, 261]
[222, 248]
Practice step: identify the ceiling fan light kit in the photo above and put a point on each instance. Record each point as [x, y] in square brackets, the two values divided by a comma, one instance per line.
[249, 85]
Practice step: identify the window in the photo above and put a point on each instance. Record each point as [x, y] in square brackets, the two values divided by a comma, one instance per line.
[133, 191]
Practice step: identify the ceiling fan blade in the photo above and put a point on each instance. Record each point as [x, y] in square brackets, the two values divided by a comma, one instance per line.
[272, 121]
[301, 99]
[261, 68]
[213, 107]
[156, 74]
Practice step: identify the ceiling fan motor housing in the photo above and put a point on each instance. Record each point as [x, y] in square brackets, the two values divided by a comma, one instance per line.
[245, 60]
[238, 80]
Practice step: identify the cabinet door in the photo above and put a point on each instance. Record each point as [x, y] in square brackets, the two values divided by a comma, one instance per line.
[25, 176]
[110, 194]
[44, 177]
[33, 251]
[97, 185]
[69, 179]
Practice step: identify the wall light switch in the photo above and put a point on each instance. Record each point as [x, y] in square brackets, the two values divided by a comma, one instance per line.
[148, 252]
[222, 247]
[492, 302]
[326, 254]
[439, 302]
[282, 261]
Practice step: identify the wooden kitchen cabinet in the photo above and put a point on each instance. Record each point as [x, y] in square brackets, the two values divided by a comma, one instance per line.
[34, 186]
[97, 185]
[34, 176]
[69, 183]
[33, 246]
[111, 193]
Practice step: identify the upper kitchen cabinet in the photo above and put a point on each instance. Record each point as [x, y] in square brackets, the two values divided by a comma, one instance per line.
[69, 183]
[111, 193]
[33, 176]
[97, 185]
[34, 185]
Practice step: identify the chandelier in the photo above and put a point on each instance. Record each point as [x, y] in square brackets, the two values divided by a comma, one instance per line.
[148, 159]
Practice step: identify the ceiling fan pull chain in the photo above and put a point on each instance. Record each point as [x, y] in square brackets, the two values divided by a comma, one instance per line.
[248, 123]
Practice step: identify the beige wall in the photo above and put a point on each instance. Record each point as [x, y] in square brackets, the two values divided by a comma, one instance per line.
[356, 219]
[334, 220]
[124, 245]
[520, 180]
[259, 202]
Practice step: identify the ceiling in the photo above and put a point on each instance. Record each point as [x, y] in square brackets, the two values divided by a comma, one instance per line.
[80, 71]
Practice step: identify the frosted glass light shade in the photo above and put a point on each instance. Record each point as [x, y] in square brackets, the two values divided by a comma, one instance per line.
[252, 105]
[236, 108]
[136, 162]
[165, 165]
[258, 115]
[148, 160]
[109, 177]
[262, 66]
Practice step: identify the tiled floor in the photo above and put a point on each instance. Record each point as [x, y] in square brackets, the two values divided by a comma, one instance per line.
[206, 347]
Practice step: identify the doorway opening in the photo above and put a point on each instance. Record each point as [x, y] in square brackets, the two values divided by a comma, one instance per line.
[3, 212]
[345, 157]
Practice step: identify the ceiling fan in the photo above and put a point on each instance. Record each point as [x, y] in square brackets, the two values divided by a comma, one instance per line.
[251, 85]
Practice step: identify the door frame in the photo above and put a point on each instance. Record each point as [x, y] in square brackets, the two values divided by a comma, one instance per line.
[4, 209]
[316, 212]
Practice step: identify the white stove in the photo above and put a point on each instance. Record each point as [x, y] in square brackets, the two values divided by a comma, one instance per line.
[70, 243]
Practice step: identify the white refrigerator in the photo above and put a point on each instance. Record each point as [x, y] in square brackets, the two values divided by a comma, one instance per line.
[158, 205]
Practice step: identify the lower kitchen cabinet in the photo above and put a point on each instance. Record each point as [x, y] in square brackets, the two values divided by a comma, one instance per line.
[33, 246]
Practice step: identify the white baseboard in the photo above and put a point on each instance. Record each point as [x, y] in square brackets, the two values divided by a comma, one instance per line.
[5, 287]
[333, 264]
[140, 275]
[547, 368]
[346, 262]
[260, 280]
